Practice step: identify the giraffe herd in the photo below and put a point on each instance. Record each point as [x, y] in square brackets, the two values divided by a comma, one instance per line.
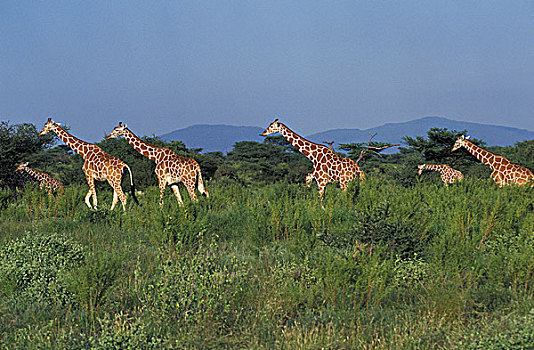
[171, 168]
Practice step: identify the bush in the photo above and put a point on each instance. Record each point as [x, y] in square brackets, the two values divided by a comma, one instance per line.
[33, 267]
[196, 286]
[512, 331]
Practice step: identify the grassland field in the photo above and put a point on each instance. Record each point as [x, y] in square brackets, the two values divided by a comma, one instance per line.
[381, 266]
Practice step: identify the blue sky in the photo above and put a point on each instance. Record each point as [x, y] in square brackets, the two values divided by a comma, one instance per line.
[317, 65]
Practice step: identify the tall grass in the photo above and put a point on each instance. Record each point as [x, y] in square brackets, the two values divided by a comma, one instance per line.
[380, 266]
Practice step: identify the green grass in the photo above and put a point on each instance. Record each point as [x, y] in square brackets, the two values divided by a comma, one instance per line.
[381, 266]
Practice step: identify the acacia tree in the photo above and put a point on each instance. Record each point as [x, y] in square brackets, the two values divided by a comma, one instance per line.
[436, 147]
[270, 161]
[361, 152]
[18, 142]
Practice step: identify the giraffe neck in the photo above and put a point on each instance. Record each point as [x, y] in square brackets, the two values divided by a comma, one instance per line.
[77, 145]
[33, 173]
[481, 154]
[435, 167]
[150, 151]
[304, 146]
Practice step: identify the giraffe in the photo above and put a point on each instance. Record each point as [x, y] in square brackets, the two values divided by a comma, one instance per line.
[171, 168]
[448, 174]
[504, 172]
[328, 166]
[45, 180]
[98, 165]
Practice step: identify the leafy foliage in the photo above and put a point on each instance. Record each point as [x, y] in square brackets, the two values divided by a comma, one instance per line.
[33, 267]
[268, 162]
[17, 143]
[436, 147]
[197, 287]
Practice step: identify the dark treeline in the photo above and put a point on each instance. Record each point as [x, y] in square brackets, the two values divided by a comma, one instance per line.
[273, 160]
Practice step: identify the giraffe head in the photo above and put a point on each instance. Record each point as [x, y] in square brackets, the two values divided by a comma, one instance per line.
[272, 129]
[118, 131]
[460, 142]
[22, 166]
[49, 125]
[421, 167]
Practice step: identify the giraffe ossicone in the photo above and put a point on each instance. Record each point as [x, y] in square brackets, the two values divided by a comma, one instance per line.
[504, 172]
[171, 168]
[98, 165]
[328, 166]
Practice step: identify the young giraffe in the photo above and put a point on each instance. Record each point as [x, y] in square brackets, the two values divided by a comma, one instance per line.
[504, 171]
[98, 165]
[328, 166]
[448, 174]
[171, 168]
[45, 180]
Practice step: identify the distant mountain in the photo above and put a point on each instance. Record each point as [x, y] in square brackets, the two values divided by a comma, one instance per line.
[222, 137]
[493, 135]
[212, 138]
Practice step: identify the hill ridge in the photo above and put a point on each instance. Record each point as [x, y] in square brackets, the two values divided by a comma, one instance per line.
[221, 137]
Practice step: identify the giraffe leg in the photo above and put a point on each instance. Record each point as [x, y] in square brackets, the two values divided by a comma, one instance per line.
[190, 186]
[497, 177]
[95, 199]
[115, 199]
[321, 185]
[176, 191]
[162, 185]
[91, 183]
[117, 193]
[309, 179]
[87, 196]
[343, 182]
[122, 198]
[120, 193]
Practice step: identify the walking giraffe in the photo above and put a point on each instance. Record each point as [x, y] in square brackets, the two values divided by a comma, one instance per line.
[98, 165]
[328, 166]
[448, 174]
[504, 172]
[45, 180]
[171, 168]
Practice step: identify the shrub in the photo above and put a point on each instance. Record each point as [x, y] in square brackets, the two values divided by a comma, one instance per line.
[193, 286]
[33, 267]
[512, 331]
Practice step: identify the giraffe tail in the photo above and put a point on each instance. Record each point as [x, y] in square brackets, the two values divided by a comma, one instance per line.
[132, 186]
[201, 187]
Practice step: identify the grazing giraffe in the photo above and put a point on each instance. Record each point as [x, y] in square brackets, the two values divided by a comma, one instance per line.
[448, 174]
[45, 180]
[504, 172]
[98, 165]
[171, 168]
[328, 166]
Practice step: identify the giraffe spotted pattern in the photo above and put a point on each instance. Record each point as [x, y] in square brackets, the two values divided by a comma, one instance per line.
[504, 172]
[171, 168]
[448, 174]
[328, 166]
[45, 180]
[98, 165]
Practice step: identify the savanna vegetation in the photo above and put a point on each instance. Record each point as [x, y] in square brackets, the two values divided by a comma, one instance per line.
[394, 262]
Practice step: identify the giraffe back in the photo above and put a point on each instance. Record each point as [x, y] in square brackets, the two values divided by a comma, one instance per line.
[102, 166]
